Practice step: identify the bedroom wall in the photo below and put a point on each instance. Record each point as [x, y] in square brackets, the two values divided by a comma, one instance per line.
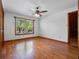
[9, 27]
[56, 25]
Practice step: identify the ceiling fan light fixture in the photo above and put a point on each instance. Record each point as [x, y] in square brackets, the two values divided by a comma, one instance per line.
[37, 15]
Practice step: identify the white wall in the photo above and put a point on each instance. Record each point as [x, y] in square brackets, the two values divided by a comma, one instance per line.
[9, 27]
[56, 25]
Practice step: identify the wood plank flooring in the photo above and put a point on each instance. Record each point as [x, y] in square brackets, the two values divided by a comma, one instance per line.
[38, 48]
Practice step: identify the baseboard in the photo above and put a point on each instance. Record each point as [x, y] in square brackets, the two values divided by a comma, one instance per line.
[27, 38]
[21, 39]
[52, 39]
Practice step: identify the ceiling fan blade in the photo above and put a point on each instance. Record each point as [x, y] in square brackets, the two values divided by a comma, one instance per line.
[43, 11]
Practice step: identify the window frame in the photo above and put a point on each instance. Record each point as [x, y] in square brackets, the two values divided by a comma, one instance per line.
[24, 19]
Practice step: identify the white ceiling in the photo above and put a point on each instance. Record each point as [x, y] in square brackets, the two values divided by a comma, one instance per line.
[26, 7]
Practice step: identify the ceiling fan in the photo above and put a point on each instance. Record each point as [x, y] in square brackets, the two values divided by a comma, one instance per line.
[38, 12]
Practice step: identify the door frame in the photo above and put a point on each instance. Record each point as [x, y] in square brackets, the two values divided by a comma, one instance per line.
[2, 25]
[78, 29]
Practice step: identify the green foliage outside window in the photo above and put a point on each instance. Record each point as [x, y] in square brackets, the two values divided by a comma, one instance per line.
[24, 26]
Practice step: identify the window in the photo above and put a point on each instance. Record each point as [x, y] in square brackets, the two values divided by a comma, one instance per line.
[23, 26]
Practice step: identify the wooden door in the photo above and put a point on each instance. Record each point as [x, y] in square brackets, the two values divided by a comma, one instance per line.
[73, 28]
[1, 24]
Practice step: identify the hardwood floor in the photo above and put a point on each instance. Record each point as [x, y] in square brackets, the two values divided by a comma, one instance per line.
[38, 48]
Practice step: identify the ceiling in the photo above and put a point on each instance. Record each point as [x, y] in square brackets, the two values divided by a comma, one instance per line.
[27, 7]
